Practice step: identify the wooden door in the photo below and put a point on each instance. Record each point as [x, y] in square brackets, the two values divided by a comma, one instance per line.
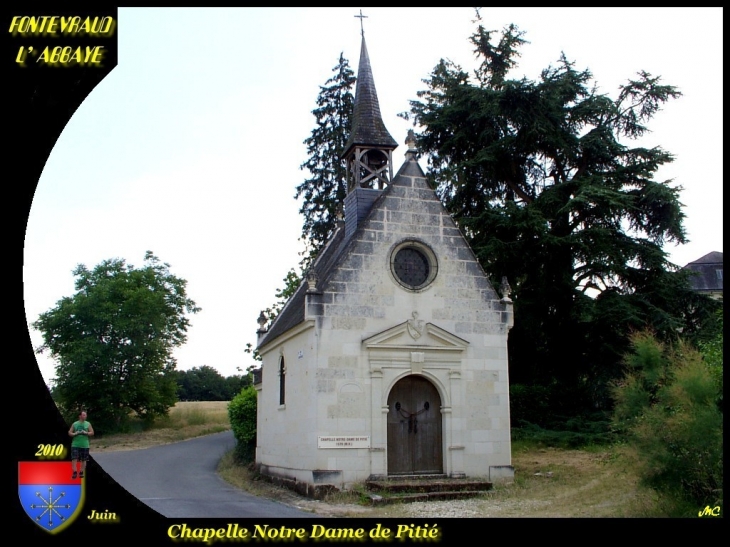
[414, 428]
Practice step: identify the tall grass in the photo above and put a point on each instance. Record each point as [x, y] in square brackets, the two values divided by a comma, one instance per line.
[184, 421]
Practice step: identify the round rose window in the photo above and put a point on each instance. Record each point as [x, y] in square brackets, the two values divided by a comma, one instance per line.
[413, 265]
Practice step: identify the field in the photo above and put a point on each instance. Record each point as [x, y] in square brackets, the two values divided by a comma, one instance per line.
[185, 421]
[549, 482]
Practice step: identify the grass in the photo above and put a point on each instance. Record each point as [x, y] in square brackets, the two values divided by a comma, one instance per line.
[554, 482]
[595, 480]
[184, 421]
[338, 504]
[599, 481]
[242, 476]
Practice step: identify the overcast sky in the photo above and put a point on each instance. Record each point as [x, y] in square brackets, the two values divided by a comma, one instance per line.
[191, 147]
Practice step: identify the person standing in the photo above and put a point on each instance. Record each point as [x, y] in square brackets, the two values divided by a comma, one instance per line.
[80, 432]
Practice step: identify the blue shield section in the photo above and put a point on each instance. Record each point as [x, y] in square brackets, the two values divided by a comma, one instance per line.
[51, 504]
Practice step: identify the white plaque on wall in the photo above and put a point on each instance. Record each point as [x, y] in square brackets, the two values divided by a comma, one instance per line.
[343, 441]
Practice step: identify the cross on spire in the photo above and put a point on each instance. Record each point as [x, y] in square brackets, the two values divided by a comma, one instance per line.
[361, 17]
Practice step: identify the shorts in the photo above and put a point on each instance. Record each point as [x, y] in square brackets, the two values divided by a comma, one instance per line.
[79, 454]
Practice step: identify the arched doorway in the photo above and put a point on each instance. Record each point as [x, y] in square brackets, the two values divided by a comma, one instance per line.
[414, 428]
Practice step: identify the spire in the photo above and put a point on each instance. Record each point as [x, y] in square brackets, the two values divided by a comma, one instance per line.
[367, 123]
[369, 149]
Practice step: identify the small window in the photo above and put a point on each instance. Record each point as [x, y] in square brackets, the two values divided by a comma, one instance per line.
[282, 381]
[719, 274]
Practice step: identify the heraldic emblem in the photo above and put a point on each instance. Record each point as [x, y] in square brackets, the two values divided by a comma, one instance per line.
[415, 326]
[48, 494]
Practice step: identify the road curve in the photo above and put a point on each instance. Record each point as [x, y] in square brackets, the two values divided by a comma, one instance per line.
[179, 481]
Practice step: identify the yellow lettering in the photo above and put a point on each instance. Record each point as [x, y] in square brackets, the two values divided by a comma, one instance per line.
[32, 26]
[319, 531]
[185, 531]
[53, 25]
[416, 532]
[15, 25]
[76, 55]
[107, 26]
[97, 54]
[45, 56]
[43, 25]
[380, 532]
[70, 25]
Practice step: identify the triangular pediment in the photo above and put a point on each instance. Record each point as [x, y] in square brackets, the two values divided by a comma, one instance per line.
[416, 335]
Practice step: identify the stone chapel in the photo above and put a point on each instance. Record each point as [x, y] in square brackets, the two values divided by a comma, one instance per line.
[391, 358]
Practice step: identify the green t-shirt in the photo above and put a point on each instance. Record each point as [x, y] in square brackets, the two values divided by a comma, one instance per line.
[80, 441]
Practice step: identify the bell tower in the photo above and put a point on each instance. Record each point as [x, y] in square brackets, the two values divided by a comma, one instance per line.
[369, 150]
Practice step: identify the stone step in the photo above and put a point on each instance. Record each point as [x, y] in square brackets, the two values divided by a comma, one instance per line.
[424, 486]
[420, 477]
[377, 499]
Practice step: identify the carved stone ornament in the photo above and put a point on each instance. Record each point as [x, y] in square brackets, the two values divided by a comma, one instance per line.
[312, 279]
[505, 289]
[411, 140]
[262, 320]
[415, 326]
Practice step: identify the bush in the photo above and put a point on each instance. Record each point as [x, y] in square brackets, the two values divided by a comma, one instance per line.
[528, 404]
[242, 415]
[567, 432]
[556, 416]
[712, 354]
[667, 405]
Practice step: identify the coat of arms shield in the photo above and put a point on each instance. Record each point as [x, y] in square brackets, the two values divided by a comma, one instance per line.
[48, 494]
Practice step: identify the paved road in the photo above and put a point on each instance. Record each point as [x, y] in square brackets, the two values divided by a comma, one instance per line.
[179, 481]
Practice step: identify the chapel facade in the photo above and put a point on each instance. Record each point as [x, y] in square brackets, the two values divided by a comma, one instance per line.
[391, 358]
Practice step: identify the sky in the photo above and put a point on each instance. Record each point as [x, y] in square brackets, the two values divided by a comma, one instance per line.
[191, 147]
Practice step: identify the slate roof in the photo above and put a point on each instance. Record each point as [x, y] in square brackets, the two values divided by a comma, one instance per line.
[367, 129]
[367, 123]
[707, 273]
[329, 258]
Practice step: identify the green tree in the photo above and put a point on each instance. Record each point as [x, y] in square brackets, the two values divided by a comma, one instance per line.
[207, 384]
[235, 383]
[542, 178]
[712, 352]
[113, 340]
[324, 190]
[201, 384]
[667, 405]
